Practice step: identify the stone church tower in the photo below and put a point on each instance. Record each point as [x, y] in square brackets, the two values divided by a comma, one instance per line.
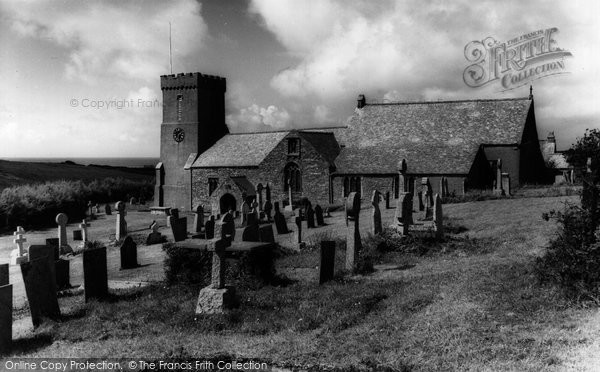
[193, 120]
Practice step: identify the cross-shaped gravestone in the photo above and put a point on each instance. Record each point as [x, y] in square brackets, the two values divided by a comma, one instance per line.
[121, 224]
[83, 226]
[377, 228]
[61, 221]
[19, 255]
[20, 231]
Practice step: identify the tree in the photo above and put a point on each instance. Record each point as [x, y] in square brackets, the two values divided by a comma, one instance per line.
[586, 147]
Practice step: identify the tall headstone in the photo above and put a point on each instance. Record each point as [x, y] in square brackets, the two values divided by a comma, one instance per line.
[61, 221]
[441, 189]
[377, 228]
[121, 224]
[245, 209]
[250, 233]
[60, 268]
[209, 228]
[225, 228]
[428, 206]
[174, 212]
[420, 197]
[498, 178]
[279, 219]
[178, 227]
[387, 200]
[128, 254]
[95, 277]
[198, 219]
[298, 221]
[90, 207]
[327, 266]
[310, 217]
[438, 217]
[6, 307]
[40, 287]
[107, 210]
[4, 275]
[319, 215]
[268, 208]
[84, 233]
[506, 183]
[353, 242]
[403, 216]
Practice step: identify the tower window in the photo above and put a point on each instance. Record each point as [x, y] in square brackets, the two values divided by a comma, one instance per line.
[179, 106]
[212, 185]
[293, 145]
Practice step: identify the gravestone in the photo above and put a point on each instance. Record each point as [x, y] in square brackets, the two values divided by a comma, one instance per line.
[178, 227]
[154, 237]
[420, 197]
[225, 228]
[40, 287]
[265, 234]
[353, 243]
[310, 217]
[90, 207]
[121, 224]
[19, 254]
[97, 208]
[217, 297]
[4, 274]
[60, 267]
[377, 228]
[298, 221]
[428, 206]
[268, 208]
[133, 201]
[84, 233]
[403, 216]
[54, 243]
[173, 212]
[77, 235]
[61, 221]
[254, 208]
[128, 254]
[327, 214]
[107, 210]
[250, 233]
[327, 266]
[387, 200]
[438, 217]
[6, 307]
[198, 219]
[506, 184]
[95, 277]
[209, 228]
[245, 209]
[279, 219]
[498, 178]
[319, 215]
[251, 219]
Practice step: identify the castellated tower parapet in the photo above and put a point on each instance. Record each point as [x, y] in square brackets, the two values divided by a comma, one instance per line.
[192, 80]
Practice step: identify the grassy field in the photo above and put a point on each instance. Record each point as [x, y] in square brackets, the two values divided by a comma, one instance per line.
[472, 303]
[15, 173]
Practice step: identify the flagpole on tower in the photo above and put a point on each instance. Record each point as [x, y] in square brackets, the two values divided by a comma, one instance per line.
[170, 53]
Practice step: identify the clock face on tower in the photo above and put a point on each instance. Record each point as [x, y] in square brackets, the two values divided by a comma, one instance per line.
[178, 134]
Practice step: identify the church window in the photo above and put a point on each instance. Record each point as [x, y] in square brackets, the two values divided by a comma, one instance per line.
[293, 146]
[292, 177]
[212, 185]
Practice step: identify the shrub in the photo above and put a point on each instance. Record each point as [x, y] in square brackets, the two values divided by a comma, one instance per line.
[38, 205]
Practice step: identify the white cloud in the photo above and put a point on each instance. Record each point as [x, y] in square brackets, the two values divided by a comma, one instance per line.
[256, 118]
[323, 115]
[112, 39]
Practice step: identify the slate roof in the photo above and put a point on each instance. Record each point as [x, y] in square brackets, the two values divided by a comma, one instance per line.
[250, 149]
[240, 150]
[433, 137]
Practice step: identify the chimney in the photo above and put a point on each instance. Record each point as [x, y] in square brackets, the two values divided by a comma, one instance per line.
[361, 101]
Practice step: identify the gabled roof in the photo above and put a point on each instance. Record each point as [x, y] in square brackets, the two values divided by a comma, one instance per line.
[433, 137]
[240, 150]
[250, 149]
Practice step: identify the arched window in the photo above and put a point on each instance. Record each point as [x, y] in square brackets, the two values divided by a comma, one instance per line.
[291, 177]
[351, 184]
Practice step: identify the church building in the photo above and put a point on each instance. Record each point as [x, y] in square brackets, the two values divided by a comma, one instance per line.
[457, 145]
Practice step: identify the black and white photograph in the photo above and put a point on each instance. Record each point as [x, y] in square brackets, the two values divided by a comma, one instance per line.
[299, 185]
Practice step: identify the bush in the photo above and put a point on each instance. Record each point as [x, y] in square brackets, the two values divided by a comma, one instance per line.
[38, 205]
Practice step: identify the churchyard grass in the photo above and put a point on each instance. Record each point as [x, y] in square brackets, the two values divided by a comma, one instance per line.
[454, 309]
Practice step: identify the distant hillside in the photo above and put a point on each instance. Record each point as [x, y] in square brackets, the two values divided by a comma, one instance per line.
[14, 173]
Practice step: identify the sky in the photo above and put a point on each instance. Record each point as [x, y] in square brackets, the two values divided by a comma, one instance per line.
[82, 79]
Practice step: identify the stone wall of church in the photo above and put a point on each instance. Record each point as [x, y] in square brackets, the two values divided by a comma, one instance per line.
[314, 171]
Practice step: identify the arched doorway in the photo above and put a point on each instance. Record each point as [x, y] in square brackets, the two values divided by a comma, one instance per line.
[226, 203]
